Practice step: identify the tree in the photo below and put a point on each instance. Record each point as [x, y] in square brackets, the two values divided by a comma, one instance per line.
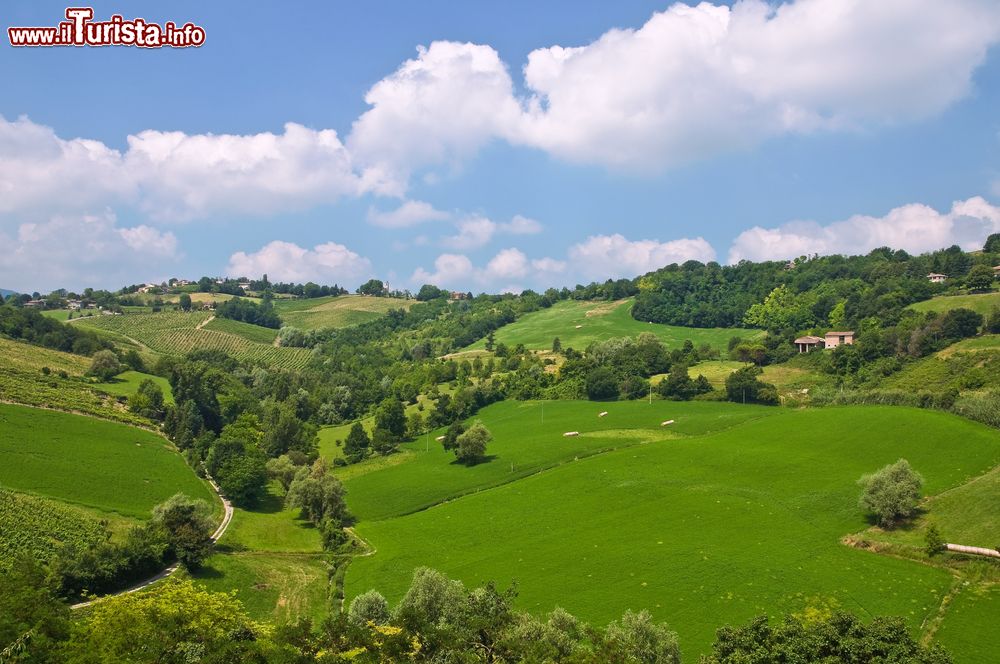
[318, 494]
[450, 441]
[742, 386]
[243, 479]
[104, 366]
[414, 424]
[840, 638]
[180, 622]
[185, 302]
[556, 345]
[961, 323]
[992, 245]
[980, 278]
[372, 287]
[993, 323]
[935, 543]
[428, 292]
[357, 443]
[601, 384]
[892, 493]
[471, 447]
[391, 416]
[283, 470]
[188, 524]
[368, 607]
[31, 611]
[490, 341]
[636, 638]
[147, 400]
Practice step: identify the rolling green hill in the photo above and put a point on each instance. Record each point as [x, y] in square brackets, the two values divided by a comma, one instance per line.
[983, 303]
[90, 462]
[340, 311]
[577, 324]
[707, 528]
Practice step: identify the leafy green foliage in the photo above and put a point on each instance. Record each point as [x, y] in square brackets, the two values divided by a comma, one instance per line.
[841, 638]
[470, 446]
[892, 493]
[105, 365]
[35, 527]
[238, 309]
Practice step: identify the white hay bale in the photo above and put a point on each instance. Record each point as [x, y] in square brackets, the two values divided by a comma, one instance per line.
[579, 326]
[665, 423]
[439, 438]
[572, 433]
[602, 414]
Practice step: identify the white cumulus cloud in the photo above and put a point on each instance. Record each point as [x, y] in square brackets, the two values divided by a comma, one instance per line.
[287, 261]
[477, 231]
[410, 213]
[915, 228]
[603, 256]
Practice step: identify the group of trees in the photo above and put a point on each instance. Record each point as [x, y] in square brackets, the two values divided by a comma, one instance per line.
[33, 327]
[262, 314]
[437, 620]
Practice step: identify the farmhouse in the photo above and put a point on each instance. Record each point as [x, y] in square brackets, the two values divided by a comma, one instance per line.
[834, 339]
[936, 278]
[996, 270]
[809, 343]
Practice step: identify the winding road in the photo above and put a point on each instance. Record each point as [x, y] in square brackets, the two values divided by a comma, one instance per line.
[219, 532]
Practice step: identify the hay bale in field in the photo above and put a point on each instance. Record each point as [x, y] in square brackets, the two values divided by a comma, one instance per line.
[579, 326]
[439, 438]
[572, 433]
[602, 414]
[665, 423]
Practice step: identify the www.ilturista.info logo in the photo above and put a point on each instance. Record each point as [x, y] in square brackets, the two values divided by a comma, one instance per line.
[81, 30]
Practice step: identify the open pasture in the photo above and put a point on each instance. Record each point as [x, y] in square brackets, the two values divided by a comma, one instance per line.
[340, 311]
[528, 437]
[127, 383]
[91, 462]
[577, 324]
[702, 530]
[982, 303]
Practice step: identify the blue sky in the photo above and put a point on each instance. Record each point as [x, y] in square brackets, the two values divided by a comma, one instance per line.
[524, 145]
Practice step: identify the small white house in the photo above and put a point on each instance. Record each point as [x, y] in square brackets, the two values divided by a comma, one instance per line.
[809, 343]
[936, 278]
[834, 339]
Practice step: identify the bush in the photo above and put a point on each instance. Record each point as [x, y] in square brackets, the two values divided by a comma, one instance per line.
[104, 366]
[601, 385]
[471, 447]
[892, 493]
[934, 541]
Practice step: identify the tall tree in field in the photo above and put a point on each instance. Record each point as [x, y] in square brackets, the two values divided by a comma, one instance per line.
[185, 302]
[471, 445]
[892, 493]
[391, 417]
[357, 443]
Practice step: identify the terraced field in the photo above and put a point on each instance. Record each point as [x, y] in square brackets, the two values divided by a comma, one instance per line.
[341, 311]
[176, 333]
[708, 523]
[577, 324]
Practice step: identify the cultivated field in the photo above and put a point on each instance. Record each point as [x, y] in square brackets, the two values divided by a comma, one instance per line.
[91, 462]
[255, 333]
[577, 324]
[37, 527]
[22, 381]
[177, 333]
[983, 303]
[341, 311]
[728, 515]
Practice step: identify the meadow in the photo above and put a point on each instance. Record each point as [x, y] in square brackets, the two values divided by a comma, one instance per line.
[127, 383]
[340, 311]
[969, 631]
[178, 333]
[577, 324]
[712, 527]
[528, 438]
[982, 303]
[91, 462]
[272, 559]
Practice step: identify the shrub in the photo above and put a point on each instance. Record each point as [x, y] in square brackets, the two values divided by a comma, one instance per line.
[934, 541]
[104, 366]
[892, 493]
[471, 447]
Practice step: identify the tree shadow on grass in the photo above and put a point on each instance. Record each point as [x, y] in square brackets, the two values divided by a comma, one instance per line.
[486, 459]
[208, 572]
[269, 503]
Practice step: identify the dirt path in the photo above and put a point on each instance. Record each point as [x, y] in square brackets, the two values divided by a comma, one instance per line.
[219, 532]
[205, 322]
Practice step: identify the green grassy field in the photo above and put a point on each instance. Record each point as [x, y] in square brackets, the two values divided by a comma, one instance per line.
[528, 438]
[127, 383]
[273, 560]
[703, 529]
[91, 462]
[577, 324]
[341, 311]
[970, 630]
[255, 333]
[178, 333]
[983, 303]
